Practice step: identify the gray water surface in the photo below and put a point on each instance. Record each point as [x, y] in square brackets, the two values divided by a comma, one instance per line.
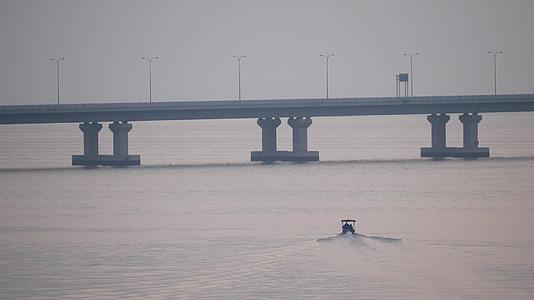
[198, 221]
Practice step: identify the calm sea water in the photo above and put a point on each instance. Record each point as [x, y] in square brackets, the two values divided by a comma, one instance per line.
[199, 221]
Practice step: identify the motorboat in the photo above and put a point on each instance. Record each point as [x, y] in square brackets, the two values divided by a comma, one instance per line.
[348, 226]
[348, 231]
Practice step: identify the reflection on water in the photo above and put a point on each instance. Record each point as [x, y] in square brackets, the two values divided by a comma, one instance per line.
[200, 227]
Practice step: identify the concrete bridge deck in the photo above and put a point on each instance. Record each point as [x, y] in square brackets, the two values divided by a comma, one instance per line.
[190, 110]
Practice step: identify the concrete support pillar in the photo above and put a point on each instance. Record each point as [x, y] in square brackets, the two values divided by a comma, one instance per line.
[439, 133]
[120, 156]
[90, 138]
[269, 153]
[470, 149]
[300, 132]
[268, 133]
[120, 138]
[470, 122]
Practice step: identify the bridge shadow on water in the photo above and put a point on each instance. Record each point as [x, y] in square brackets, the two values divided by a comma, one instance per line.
[264, 164]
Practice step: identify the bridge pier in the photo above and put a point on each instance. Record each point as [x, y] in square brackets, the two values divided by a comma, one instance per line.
[120, 155]
[120, 138]
[120, 144]
[268, 140]
[90, 144]
[438, 123]
[439, 147]
[300, 152]
[300, 139]
[439, 130]
[268, 134]
[470, 130]
[90, 138]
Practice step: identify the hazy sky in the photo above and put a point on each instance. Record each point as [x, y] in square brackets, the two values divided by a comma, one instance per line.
[103, 42]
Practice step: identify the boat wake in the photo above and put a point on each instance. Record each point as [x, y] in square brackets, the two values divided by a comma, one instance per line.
[358, 237]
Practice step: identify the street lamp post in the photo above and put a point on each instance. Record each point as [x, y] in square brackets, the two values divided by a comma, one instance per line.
[327, 58]
[149, 60]
[57, 60]
[495, 53]
[411, 55]
[239, 72]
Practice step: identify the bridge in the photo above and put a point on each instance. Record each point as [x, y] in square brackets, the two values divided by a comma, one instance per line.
[268, 113]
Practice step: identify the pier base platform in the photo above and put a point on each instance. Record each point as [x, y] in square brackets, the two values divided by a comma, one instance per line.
[106, 160]
[284, 156]
[455, 152]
